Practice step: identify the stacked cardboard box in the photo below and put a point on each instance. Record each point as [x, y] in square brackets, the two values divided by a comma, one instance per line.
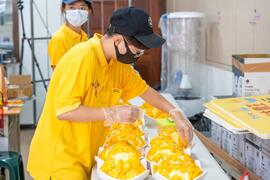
[241, 149]
[19, 86]
[249, 71]
[252, 77]
[253, 154]
[265, 164]
[233, 144]
[260, 149]
[252, 151]
[231, 131]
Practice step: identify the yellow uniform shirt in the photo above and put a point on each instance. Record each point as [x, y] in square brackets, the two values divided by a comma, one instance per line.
[65, 149]
[64, 39]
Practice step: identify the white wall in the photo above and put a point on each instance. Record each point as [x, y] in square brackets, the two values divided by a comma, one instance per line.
[233, 27]
[50, 11]
[218, 81]
[180, 5]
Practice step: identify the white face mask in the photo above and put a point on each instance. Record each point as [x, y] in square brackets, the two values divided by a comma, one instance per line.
[76, 17]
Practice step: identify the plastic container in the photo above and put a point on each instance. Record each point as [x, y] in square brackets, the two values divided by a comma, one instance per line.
[183, 54]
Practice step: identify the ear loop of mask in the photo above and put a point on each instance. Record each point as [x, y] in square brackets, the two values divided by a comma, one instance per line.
[63, 17]
[126, 58]
[127, 48]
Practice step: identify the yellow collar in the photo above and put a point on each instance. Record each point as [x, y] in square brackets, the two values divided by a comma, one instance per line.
[99, 50]
[71, 33]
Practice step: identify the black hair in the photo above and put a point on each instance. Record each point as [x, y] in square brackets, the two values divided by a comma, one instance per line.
[130, 39]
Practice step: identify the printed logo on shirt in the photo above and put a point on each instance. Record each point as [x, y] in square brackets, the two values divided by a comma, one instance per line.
[95, 85]
[116, 90]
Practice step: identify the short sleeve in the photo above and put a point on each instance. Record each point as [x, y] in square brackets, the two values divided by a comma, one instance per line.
[56, 50]
[74, 79]
[134, 85]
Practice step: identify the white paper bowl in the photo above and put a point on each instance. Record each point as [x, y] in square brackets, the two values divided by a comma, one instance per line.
[104, 176]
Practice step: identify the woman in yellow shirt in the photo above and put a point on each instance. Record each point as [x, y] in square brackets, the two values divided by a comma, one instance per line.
[84, 90]
[76, 13]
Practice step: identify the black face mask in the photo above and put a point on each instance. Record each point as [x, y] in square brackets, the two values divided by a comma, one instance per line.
[128, 57]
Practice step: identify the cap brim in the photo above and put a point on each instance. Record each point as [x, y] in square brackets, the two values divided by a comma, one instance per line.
[69, 1]
[151, 41]
[72, 1]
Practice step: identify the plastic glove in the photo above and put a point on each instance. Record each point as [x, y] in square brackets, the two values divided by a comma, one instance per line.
[183, 125]
[121, 114]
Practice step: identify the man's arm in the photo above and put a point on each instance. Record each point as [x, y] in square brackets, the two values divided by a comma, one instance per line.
[122, 114]
[83, 114]
[155, 99]
[183, 125]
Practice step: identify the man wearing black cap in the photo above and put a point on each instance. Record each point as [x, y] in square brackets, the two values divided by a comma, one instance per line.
[84, 91]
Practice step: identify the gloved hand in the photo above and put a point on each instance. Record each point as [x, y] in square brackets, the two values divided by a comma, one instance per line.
[183, 125]
[120, 114]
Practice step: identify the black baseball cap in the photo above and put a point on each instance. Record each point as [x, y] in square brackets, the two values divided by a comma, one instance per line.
[135, 22]
[72, 1]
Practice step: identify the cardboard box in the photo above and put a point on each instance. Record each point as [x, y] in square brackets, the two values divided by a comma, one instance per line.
[251, 74]
[252, 157]
[233, 147]
[255, 140]
[225, 139]
[241, 149]
[213, 131]
[266, 145]
[263, 144]
[265, 165]
[219, 136]
[257, 166]
[236, 146]
[216, 134]
[19, 86]
[20, 79]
